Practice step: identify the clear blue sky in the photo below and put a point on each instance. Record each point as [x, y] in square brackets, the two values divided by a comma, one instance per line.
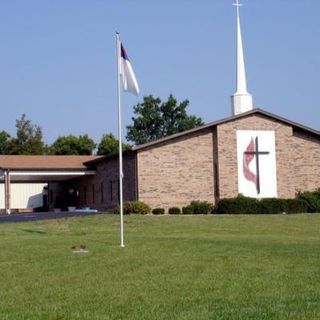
[57, 59]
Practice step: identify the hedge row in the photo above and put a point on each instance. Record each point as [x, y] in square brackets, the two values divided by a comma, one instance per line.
[304, 202]
[195, 207]
[245, 205]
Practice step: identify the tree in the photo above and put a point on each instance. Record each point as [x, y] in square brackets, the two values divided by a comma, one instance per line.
[4, 140]
[72, 145]
[28, 140]
[156, 119]
[110, 145]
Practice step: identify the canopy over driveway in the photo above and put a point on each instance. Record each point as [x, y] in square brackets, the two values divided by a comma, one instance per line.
[35, 169]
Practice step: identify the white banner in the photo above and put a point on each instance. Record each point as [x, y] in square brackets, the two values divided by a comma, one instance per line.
[257, 174]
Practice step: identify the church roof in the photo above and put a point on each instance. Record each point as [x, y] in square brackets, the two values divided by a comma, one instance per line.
[26, 162]
[108, 157]
[229, 119]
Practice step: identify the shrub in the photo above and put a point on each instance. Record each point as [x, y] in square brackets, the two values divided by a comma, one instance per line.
[294, 206]
[312, 199]
[135, 207]
[158, 211]
[271, 205]
[187, 210]
[174, 210]
[238, 205]
[246, 205]
[274, 206]
[201, 207]
[198, 207]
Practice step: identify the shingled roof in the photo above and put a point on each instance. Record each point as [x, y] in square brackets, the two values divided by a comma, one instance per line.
[21, 162]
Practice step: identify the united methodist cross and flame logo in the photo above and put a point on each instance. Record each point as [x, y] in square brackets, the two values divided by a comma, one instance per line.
[248, 156]
[252, 152]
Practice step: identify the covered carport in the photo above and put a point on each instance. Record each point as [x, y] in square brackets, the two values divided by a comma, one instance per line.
[25, 179]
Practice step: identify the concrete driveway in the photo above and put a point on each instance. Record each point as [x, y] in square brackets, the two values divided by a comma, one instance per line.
[32, 216]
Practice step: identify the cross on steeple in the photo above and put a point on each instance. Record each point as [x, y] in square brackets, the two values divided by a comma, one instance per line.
[237, 4]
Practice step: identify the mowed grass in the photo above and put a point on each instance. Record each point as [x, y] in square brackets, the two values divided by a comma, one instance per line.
[173, 267]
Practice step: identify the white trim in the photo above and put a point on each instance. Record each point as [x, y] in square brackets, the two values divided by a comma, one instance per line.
[52, 173]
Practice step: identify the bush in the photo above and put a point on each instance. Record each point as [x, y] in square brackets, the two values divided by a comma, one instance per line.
[238, 205]
[198, 207]
[158, 211]
[138, 207]
[174, 210]
[201, 207]
[187, 210]
[312, 199]
[294, 206]
[271, 206]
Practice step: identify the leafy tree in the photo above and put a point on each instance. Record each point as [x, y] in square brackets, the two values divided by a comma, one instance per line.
[73, 145]
[156, 119]
[4, 140]
[28, 140]
[110, 145]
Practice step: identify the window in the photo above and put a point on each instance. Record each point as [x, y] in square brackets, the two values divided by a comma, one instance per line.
[85, 194]
[216, 181]
[111, 191]
[101, 192]
[118, 181]
[114, 190]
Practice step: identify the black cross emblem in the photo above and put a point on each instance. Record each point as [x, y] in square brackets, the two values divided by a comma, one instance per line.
[257, 153]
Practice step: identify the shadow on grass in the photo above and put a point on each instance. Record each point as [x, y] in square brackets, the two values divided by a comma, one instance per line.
[33, 231]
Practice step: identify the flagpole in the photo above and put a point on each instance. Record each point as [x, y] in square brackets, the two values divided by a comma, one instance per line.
[120, 138]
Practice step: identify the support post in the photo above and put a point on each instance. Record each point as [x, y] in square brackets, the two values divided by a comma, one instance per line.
[7, 194]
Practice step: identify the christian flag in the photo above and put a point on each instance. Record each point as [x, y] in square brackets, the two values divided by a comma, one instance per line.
[129, 81]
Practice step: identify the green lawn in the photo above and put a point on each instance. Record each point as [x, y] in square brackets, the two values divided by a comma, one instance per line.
[173, 267]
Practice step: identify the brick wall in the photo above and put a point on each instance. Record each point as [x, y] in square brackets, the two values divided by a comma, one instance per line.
[296, 170]
[101, 191]
[107, 178]
[305, 164]
[177, 171]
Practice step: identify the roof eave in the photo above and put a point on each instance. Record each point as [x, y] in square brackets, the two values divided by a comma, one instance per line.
[225, 120]
[107, 157]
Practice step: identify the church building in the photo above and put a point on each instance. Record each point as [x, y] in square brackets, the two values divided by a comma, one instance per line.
[253, 152]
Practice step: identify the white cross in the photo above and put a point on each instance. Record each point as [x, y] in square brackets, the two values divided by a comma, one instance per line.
[237, 4]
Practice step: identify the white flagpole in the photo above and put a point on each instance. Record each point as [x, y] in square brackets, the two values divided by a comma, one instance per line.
[120, 137]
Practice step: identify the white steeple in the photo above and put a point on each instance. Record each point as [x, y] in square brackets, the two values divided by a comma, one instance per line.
[241, 101]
